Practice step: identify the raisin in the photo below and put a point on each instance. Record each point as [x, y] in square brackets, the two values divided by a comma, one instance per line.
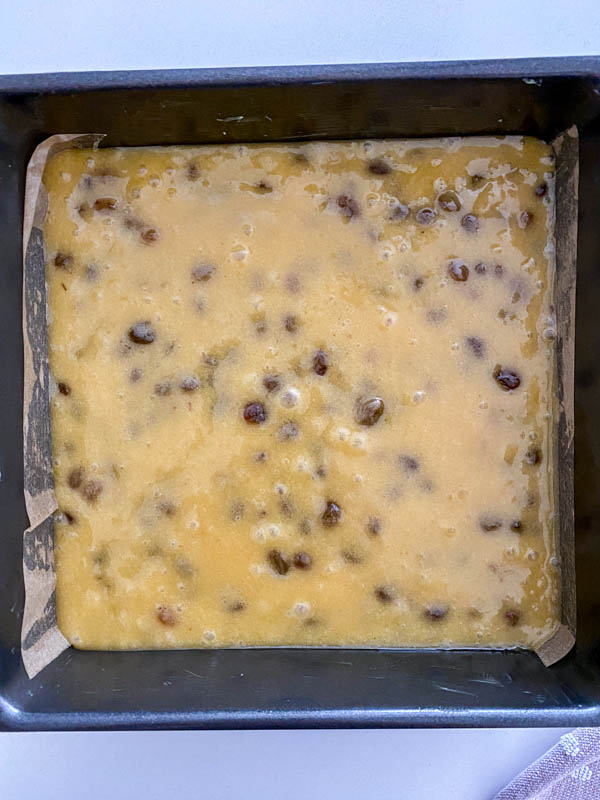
[262, 187]
[525, 219]
[290, 323]
[369, 410]
[517, 526]
[279, 562]
[166, 615]
[136, 375]
[260, 457]
[374, 526]
[498, 270]
[436, 613]
[351, 557]
[533, 456]
[476, 346]
[348, 206]
[105, 204]
[541, 189]
[320, 362]
[163, 389]
[331, 515]
[289, 430]
[379, 167]
[470, 223]
[76, 477]
[149, 236]
[255, 413]
[236, 607]
[449, 201]
[192, 173]
[488, 524]
[409, 463]
[63, 261]
[481, 268]
[202, 272]
[189, 384]
[64, 388]
[399, 212]
[302, 560]
[142, 333]
[458, 270]
[418, 284]
[92, 489]
[386, 593]
[507, 379]
[425, 216]
[512, 617]
[272, 383]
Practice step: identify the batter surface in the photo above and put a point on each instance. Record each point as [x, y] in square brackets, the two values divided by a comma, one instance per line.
[302, 394]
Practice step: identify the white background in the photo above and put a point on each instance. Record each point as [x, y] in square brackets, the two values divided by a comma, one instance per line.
[54, 35]
[51, 35]
[267, 765]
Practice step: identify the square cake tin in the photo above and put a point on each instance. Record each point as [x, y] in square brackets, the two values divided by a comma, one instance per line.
[281, 687]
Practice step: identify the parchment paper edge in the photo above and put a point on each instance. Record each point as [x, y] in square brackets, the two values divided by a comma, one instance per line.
[566, 150]
[41, 640]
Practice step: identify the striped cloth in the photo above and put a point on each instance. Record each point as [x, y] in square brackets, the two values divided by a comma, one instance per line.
[569, 771]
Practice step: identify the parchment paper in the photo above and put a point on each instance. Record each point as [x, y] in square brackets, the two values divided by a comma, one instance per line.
[41, 640]
[566, 150]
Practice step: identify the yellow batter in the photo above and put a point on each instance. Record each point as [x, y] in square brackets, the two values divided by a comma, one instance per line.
[302, 394]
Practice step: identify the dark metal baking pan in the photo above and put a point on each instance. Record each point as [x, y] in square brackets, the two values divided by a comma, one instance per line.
[293, 687]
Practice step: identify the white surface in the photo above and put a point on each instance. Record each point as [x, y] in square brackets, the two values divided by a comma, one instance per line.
[83, 35]
[111, 34]
[295, 765]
